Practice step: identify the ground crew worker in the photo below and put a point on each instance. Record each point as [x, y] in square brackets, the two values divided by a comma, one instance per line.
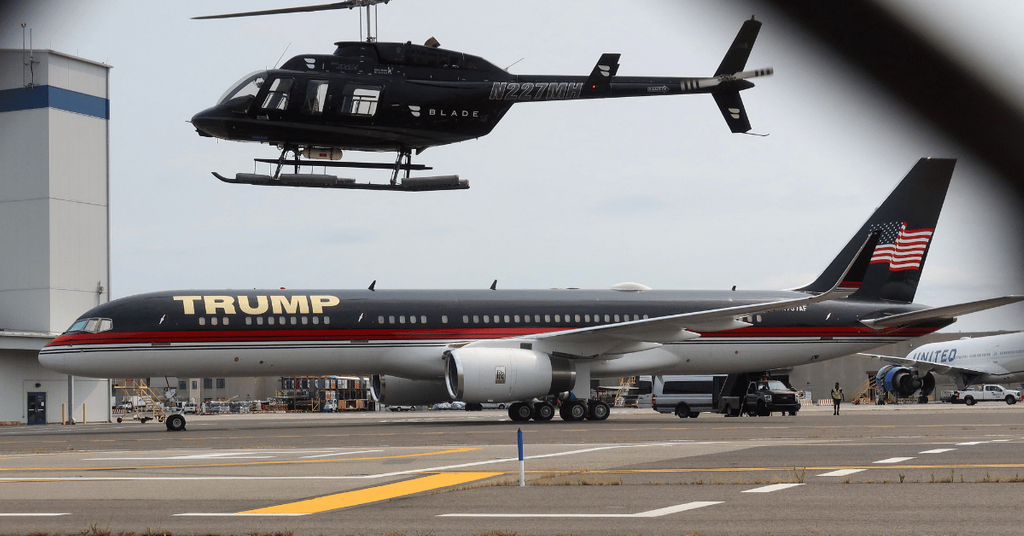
[837, 398]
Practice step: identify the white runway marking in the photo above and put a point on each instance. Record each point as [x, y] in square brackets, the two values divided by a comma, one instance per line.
[650, 513]
[973, 443]
[771, 488]
[842, 472]
[895, 460]
[342, 453]
[935, 451]
[33, 514]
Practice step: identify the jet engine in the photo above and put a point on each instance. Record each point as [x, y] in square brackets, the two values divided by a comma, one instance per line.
[484, 374]
[395, 391]
[904, 382]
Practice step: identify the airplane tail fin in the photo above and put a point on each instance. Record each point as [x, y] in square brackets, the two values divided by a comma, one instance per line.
[904, 223]
[733, 79]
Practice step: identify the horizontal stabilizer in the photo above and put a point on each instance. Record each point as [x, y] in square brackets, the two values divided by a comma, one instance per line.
[606, 67]
[940, 313]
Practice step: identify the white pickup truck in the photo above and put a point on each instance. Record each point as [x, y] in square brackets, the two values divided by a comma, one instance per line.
[987, 393]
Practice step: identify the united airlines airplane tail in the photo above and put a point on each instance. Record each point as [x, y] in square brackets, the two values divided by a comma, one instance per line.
[535, 349]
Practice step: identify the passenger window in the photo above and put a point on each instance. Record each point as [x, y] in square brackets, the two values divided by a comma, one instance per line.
[327, 320]
[412, 319]
[316, 320]
[558, 318]
[507, 319]
[360, 100]
[423, 319]
[516, 318]
[259, 320]
[444, 319]
[465, 319]
[316, 96]
[270, 321]
[547, 319]
[391, 320]
[487, 319]
[401, 319]
[202, 321]
[305, 321]
[248, 321]
[295, 320]
[213, 321]
[577, 319]
[226, 320]
[380, 319]
[476, 319]
[616, 318]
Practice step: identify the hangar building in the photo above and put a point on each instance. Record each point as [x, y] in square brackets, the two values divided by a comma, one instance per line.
[54, 226]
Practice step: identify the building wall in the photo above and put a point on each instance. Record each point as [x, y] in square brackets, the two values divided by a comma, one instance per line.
[54, 222]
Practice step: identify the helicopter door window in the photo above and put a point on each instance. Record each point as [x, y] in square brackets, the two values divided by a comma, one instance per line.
[316, 97]
[277, 97]
[361, 100]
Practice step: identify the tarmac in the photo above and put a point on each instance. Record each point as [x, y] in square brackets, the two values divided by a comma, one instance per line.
[909, 469]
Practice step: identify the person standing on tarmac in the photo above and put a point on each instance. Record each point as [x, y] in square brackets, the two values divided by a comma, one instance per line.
[837, 398]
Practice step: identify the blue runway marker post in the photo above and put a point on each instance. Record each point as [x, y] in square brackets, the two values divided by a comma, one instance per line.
[522, 464]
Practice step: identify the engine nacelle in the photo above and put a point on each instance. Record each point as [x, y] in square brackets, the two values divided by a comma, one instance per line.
[505, 374]
[904, 381]
[395, 391]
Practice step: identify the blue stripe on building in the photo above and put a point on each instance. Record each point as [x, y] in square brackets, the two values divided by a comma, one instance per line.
[32, 98]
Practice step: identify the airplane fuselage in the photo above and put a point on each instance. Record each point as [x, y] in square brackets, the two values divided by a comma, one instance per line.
[1001, 355]
[405, 333]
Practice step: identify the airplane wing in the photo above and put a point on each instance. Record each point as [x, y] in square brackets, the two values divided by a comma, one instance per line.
[922, 367]
[939, 313]
[637, 335]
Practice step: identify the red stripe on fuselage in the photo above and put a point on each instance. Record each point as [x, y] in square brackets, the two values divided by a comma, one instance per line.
[213, 336]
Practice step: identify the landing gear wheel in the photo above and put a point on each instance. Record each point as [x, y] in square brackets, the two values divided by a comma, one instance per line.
[175, 423]
[575, 411]
[520, 412]
[543, 412]
[599, 411]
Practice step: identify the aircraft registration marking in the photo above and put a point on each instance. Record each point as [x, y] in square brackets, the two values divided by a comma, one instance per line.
[650, 513]
[376, 494]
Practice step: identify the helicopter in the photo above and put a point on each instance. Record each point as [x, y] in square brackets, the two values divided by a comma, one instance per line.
[404, 98]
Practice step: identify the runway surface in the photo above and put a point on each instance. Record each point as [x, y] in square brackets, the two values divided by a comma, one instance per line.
[932, 469]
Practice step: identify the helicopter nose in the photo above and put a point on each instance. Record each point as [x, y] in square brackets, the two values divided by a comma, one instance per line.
[209, 123]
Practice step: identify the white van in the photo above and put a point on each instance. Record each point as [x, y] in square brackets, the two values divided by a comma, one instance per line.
[686, 396]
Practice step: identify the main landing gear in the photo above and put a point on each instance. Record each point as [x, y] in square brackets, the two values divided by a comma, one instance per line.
[400, 170]
[568, 410]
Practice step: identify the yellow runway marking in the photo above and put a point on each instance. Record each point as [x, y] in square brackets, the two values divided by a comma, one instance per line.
[379, 493]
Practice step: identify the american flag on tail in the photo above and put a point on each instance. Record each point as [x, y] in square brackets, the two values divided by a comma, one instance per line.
[901, 248]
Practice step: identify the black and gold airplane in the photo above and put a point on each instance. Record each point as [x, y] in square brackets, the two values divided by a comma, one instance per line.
[405, 98]
[535, 349]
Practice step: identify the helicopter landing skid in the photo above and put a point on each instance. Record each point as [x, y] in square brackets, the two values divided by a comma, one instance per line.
[313, 180]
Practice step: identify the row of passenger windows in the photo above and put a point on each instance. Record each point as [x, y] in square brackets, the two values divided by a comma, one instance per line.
[270, 320]
[422, 319]
[512, 319]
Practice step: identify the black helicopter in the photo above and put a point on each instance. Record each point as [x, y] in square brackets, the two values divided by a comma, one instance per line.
[401, 97]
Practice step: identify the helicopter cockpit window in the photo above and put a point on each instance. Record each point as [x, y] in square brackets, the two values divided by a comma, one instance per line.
[360, 100]
[246, 87]
[316, 97]
[277, 97]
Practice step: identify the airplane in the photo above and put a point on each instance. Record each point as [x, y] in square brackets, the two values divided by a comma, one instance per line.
[402, 97]
[967, 361]
[531, 348]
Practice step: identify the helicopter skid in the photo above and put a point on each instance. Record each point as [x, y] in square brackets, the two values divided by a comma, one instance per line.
[311, 180]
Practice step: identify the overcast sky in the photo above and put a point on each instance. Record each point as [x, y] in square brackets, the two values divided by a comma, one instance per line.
[563, 194]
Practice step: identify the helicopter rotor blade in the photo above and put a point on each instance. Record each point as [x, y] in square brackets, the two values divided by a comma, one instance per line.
[347, 4]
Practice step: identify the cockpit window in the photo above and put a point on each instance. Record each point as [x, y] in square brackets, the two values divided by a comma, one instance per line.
[246, 87]
[277, 98]
[92, 325]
